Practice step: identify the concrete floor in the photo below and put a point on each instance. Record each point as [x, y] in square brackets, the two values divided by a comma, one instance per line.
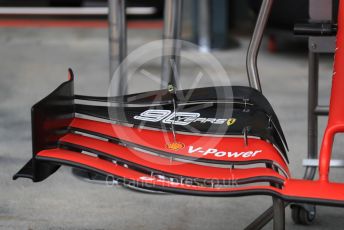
[34, 61]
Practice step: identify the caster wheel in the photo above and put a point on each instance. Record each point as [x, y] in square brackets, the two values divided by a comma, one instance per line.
[303, 214]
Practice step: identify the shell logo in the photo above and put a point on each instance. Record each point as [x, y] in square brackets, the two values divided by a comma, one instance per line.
[175, 146]
[231, 121]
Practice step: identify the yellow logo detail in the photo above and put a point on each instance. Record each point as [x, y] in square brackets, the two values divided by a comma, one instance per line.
[175, 146]
[231, 121]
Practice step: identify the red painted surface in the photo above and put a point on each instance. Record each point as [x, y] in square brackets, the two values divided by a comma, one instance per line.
[319, 190]
[128, 174]
[158, 140]
[166, 165]
[293, 189]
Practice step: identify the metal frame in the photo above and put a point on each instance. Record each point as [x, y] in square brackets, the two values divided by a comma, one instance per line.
[319, 11]
[317, 45]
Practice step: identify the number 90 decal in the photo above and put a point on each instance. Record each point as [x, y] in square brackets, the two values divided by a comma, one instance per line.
[178, 118]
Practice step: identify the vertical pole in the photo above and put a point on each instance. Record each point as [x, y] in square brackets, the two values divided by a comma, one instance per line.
[279, 214]
[253, 49]
[171, 48]
[117, 42]
[312, 130]
[204, 25]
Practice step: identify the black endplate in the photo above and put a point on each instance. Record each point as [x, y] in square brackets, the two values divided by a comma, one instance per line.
[50, 118]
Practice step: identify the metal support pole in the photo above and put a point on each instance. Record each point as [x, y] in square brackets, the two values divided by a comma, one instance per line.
[117, 42]
[278, 207]
[279, 214]
[252, 53]
[313, 88]
[204, 25]
[171, 48]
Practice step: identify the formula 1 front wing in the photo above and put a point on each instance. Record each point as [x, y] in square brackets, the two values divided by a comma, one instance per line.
[246, 157]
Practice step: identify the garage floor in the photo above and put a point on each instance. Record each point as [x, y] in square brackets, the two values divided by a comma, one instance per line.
[34, 61]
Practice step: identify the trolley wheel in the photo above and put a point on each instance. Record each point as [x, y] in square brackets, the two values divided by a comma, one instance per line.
[303, 214]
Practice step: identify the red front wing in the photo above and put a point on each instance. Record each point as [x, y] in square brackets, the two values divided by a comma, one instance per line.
[151, 159]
